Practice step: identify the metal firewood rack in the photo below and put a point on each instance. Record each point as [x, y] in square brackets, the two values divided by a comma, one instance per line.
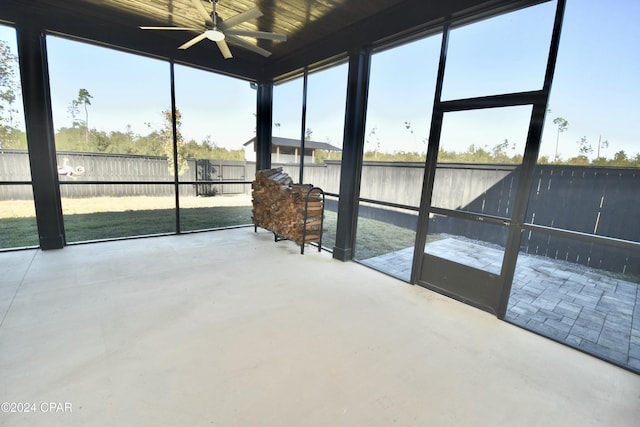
[278, 237]
[306, 213]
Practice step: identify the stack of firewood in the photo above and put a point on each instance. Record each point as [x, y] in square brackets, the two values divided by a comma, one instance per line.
[279, 206]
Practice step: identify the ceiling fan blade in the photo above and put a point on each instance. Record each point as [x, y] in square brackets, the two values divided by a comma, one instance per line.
[171, 28]
[240, 18]
[205, 15]
[224, 49]
[193, 41]
[258, 35]
[238, 41]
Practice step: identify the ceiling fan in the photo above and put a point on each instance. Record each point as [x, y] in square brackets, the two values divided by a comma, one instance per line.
[222, 32]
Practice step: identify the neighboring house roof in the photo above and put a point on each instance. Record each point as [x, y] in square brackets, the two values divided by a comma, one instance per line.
[290, 142]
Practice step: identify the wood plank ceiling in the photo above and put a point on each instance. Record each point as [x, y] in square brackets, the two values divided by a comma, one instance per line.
[315, 29]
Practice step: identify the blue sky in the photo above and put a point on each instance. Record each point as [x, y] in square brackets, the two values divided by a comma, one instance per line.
[596, 86]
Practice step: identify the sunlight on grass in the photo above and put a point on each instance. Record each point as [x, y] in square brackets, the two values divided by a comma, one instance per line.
[18, 227]
[100, 218]
[109, 218]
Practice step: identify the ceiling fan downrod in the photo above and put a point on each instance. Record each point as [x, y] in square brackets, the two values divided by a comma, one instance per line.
[214, 34]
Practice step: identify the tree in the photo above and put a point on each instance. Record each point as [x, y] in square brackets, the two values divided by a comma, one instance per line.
[425, 141]
[579, 160]
[183, 166]
[407, 126]
[601, 144]
[83, 99]
[584, 147]
[499, 152]
[376, 148]
[74, 110]
[620, 159]
[9, 92]
[151, 144]
[562, 126]
[543, 160]
[476, 154]
[69, 139]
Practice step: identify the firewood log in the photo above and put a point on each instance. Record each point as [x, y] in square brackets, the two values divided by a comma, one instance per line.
[279, 206]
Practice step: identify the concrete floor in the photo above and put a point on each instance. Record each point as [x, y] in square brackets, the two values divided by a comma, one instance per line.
[230, 328]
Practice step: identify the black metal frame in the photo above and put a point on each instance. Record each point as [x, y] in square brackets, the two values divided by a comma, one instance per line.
[167, 182]
[583, 237]
[352, 153]
[479, 288]
[34, 78]
[303, 122]
[306, 212]
[389, 204]
[264, 117]
[16, 182]
[174, 131]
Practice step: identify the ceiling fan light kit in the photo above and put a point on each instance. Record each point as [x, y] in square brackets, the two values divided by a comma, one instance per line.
[214, 35]
[221, 32]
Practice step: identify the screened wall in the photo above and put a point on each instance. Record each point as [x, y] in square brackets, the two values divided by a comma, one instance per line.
[395, 148]
[124, 169]
[310, 111]
[577, 278]
[18, 227]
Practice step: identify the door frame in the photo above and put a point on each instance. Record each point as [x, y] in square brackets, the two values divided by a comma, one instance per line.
[479, 288]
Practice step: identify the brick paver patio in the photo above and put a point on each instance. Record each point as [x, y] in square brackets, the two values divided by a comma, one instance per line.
[585, 308]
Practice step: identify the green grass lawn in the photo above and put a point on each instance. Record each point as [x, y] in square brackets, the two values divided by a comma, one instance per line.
[374, 237]
[19, 232]
[108, 225]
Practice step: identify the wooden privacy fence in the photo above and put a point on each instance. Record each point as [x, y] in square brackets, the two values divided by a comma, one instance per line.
[599, 201]
[114, 167]
[593, 200]
[133, 170]
[222, 172]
